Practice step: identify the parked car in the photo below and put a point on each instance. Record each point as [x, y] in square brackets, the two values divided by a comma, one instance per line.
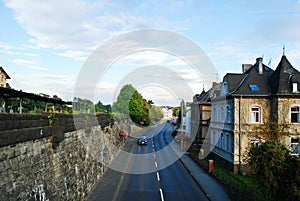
[123, 133]
[143, 140]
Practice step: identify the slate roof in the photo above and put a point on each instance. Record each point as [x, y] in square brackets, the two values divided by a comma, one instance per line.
[240, 84]
[270, 82]
[3, 71]
[205, 97]
[283, 77]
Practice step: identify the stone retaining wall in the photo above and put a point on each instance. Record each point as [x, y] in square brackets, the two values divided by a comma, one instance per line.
[57, 162]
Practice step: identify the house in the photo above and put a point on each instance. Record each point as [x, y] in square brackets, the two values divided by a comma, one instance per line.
[168, 112]
[249, 100]
[186, 123]
[3, 77]
[200, 113]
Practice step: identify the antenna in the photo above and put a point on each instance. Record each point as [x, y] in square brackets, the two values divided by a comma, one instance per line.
[283, 50]
[270, 61]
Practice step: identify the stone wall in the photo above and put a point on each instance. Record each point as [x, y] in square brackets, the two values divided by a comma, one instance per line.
[61, 161]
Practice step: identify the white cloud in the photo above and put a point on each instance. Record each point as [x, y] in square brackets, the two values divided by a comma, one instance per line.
[76, 55]
[37, 68]
[47, 83]
[31, 54]
[28, 64]
[82, 25]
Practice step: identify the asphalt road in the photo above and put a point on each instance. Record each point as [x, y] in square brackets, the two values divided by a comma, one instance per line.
[149, 172]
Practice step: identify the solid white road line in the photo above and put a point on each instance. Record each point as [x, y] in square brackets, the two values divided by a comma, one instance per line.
[161, 195]
[157, 174]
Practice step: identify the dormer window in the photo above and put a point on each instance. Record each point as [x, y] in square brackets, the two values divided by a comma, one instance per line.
[295, 87]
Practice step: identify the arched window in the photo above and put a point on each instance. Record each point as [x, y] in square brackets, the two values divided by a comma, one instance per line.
[255, 115]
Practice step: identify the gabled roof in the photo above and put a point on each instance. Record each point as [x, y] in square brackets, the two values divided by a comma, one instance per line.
[3, 71]
[283, 77]
[249, 83]
[205, 97]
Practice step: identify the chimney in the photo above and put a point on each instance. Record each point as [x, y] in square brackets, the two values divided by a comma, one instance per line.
[260, 65]
[246, 67]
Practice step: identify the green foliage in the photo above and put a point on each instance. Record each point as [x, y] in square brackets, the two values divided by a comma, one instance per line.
[139, 109]
[122, 104]
[130, 103]
[156, 114]
[276, 170]
[176, 111]
[100, 108]
[83, 105]
[51, 117]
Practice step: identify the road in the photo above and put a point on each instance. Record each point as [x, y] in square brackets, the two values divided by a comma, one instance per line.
[149, 172]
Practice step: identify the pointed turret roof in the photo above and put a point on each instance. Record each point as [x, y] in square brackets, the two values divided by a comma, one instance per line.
[282, 78]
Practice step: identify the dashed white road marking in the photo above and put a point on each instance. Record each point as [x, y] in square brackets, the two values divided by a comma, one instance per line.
[155, 164]
[161, 195]
[154, 155]
[157, 175]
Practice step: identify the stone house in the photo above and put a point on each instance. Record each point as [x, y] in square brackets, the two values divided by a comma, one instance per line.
[250, 101]
[3, 77]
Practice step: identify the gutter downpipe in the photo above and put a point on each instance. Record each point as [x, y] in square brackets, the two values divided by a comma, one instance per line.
[240, 151]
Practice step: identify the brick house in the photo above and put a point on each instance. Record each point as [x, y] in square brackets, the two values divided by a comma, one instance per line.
[256, 97]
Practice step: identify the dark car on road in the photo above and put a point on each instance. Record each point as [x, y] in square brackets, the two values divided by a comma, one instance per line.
[143, 140]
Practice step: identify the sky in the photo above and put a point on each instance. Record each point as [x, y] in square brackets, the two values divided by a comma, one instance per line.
[46, 45]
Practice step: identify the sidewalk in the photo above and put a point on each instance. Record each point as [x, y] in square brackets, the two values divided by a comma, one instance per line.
[214, 190]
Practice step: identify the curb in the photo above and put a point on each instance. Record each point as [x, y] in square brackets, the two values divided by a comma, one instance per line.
[196, 180]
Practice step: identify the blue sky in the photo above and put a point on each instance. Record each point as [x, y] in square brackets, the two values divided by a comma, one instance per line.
[44, 44]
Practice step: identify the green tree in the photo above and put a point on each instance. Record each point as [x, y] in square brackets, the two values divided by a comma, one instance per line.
[156, 113]
[276, 170]
[130, 103]
[122, 104]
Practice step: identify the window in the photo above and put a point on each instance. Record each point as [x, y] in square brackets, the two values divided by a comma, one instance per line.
[295, 87]
[255, 115]
[215, 117]
[222, 141]
[227, 142]
[255, 142]
[295, 114]
[222, 114]
[253, 87]
[228, 117]
[295, 148]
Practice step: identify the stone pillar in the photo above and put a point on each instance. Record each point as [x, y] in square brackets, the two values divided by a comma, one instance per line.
[21, 100]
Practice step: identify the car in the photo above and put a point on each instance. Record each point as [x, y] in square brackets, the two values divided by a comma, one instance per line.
[143, 140]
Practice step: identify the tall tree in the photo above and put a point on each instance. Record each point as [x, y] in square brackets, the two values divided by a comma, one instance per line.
[130, 103]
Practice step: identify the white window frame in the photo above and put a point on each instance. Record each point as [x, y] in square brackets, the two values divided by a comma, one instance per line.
[255, 114]
[295, 147]
[295, 87]
[295, 112]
